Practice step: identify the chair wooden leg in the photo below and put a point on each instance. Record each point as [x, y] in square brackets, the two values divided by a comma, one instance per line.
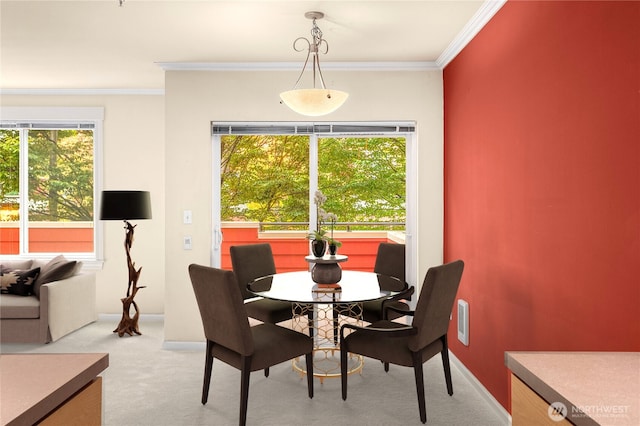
[310, 316]
[446, 366]
[309, 359]
[244, 388]
[417, 369]
[386, 367]
[208, 366]
[335, 325]
[266, 372]
[343, 368]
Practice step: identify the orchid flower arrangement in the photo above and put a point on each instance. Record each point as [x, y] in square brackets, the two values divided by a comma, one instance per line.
[331, 217]
[319, 234]
[322, 216]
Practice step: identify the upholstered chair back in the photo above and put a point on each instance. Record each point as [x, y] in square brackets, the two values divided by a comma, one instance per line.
[224, 317]
[390, 261]
[435, 303]
[249, 262]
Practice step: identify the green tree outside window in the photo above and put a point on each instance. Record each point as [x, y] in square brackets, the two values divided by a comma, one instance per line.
[265, 178]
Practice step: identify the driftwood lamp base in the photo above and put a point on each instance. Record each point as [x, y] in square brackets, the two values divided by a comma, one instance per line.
[128, 323]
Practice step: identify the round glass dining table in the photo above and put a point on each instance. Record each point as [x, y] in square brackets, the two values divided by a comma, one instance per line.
[320, 309]
[298, 287]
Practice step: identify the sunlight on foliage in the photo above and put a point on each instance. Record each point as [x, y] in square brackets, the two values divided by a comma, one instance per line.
[265, 178]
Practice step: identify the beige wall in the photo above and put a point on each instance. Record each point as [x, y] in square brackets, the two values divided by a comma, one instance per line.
[163, 144]
[133, 148]
[195, 98]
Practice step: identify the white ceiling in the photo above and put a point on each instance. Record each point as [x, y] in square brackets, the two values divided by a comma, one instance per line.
[96, 44]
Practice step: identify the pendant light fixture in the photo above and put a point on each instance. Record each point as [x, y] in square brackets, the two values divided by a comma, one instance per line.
[314, 101]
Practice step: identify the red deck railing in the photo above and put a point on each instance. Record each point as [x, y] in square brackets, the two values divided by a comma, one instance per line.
[62, 237]
[290, 247]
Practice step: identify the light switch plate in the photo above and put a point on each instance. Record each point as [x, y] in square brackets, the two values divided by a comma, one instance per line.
[186, 217]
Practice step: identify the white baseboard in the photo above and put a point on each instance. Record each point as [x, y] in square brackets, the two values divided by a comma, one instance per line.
[166, 345]
[486, 395]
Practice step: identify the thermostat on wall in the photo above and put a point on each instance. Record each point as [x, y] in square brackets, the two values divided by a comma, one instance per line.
[463, 322]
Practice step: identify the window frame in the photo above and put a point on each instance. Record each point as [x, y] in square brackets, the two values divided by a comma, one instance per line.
[56, 116]
[315, 130]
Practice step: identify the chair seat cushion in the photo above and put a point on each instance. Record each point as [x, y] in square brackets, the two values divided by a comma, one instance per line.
[385, 347]
[267, 310]
[272, 345]
[275, 344]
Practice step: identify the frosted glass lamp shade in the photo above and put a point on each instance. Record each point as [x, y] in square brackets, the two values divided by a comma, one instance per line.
[314, 102]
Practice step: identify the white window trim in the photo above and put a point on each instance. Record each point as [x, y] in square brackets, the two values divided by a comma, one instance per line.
[95, 115]
[406, 129]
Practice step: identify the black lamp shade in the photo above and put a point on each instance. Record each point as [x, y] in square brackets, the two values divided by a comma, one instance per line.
[125, 205]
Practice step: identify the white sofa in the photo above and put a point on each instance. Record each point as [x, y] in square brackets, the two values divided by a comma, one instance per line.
[59, 307]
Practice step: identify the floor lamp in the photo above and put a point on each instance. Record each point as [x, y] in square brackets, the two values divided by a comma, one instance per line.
[127, 205]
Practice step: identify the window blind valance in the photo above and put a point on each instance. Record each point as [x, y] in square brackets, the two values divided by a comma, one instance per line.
[47, 126]
[300, 128]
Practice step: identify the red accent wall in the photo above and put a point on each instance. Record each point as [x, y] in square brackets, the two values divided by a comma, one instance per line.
[542, 182]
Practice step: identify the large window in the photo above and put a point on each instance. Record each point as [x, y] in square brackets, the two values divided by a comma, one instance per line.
[268, 174]
[48, 181]
[364, 180]
[266, 179]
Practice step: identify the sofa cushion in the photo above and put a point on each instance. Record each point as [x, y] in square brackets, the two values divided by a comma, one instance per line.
[56, 269]
[14, 264]
[18, 281]
[9, 265]
[14, 307]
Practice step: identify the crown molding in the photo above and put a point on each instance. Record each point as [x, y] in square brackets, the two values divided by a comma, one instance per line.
[484, 14]
[295, 66]
[469, 31]
[81, 92]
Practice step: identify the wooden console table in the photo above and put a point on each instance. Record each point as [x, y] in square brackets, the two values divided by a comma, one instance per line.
[51, 389]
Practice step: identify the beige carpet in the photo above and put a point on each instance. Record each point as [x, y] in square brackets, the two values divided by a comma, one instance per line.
[146, 385]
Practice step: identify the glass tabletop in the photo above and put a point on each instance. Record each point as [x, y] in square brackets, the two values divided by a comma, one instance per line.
[355, 286]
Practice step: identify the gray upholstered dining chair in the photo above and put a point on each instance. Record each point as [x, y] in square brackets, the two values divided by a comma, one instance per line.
[253, 261]
[390, 262]
[412, 345]
[232, 340]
